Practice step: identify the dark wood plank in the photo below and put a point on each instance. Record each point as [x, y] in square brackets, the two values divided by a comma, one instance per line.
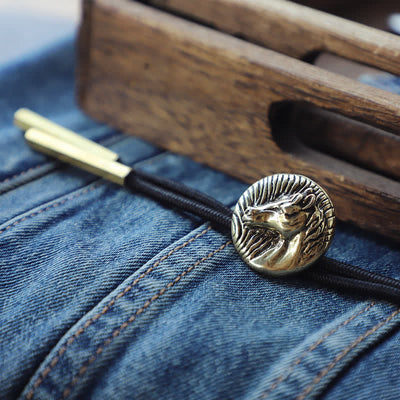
[294, 29]
[208, 95]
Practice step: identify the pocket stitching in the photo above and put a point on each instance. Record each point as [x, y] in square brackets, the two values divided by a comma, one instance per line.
[84, 367]
[80, 330]
[342, 354]
[291, 367]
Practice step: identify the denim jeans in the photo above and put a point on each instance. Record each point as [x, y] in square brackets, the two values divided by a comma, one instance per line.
[106, 294]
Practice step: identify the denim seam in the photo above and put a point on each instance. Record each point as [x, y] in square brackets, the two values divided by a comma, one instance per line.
[10, 178]
[342, 354]
[296, 362]
[132, 318]
[80, 330]
[54, 205]
[58, 203]
[30, 169]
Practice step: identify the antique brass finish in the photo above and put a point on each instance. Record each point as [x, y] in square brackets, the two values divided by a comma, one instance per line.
[282, 224]
[70, 153]
[26, 119]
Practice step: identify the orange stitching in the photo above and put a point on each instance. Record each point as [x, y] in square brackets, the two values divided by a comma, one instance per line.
[321, 374]
[21, 173]
[80, 330]
[283, 377]
[50, 207]
[100, 349]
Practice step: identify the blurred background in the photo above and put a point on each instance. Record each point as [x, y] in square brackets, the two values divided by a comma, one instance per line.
[29, 25]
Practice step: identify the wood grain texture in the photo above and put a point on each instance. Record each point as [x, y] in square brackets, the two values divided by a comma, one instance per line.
[356, 142]
[209, 95]
[326, 5]
[294, 29]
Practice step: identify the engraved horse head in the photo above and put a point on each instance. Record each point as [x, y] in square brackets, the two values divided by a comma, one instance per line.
[292, 217]
[288, 215]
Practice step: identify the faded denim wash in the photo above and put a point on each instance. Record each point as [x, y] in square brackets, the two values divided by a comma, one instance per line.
[106, 294]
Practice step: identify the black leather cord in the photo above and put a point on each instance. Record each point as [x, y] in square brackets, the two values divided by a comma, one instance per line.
[329, 272]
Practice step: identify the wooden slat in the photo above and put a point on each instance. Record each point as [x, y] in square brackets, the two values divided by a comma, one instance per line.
[208, 95]
[294, 29]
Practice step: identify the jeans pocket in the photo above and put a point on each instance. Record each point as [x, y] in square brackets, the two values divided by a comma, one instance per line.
[312, 366]
[194, 322]
[126, 316]
[60, 258]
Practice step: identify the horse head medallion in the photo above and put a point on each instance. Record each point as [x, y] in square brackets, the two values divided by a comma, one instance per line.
[283, 224]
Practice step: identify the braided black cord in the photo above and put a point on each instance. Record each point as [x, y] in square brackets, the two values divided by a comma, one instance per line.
[356, 286]
[181, 199]
[183, 190]
[327, 271]
[340, 268]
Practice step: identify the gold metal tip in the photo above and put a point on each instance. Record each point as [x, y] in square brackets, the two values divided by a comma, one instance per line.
[49, 144]
[26, 119]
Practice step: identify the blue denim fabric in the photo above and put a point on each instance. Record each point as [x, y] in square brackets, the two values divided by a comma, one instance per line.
[106, 294]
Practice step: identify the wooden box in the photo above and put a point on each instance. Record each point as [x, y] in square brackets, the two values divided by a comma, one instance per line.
[223, 82]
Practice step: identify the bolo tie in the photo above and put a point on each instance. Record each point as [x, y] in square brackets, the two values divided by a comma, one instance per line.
[281, 225]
